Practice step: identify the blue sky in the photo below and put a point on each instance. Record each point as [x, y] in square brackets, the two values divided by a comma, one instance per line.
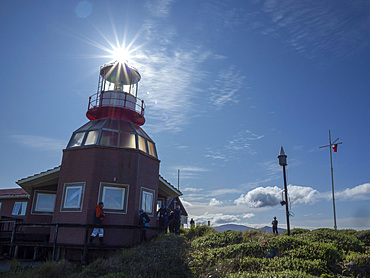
[226, 83]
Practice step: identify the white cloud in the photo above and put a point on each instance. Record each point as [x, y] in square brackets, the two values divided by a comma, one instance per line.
[159, 8]
[360, 192]
[242, 141]
[227, 84]
[221, 192]
[248, 215]
[214, 202]
[216, 155]
[271, 196]
[192, 189]
[186, 203]
[260, 197]
[306, 27]
[39, 143]
[302, 194]
[217, 218]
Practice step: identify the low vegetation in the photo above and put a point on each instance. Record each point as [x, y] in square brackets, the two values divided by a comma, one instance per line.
[204, 252]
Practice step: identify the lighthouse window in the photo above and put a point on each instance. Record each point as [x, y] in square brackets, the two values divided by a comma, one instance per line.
[127, 140]
[109, 138]
[92, 137]
[76, 140]
[151, 149]
[72, 196]
[142, 145]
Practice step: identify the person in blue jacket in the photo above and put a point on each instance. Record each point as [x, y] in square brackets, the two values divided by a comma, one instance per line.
[143, 222]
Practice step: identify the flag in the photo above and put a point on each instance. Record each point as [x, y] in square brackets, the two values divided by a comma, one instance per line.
[335, 147]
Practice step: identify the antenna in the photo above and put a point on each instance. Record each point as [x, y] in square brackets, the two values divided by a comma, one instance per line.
[178, 179]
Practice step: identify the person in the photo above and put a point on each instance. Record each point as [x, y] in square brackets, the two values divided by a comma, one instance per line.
[192, 223]
[163, 216]
[171, 223]
[143, 222]
[98, 220]
[274, 226]
[177, 219]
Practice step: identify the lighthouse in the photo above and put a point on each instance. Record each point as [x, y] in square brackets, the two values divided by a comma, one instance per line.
[109, 159]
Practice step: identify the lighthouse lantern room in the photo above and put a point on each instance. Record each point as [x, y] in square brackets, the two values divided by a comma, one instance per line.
[117, 94]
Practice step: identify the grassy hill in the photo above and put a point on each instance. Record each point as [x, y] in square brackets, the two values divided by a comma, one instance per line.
[205, 252]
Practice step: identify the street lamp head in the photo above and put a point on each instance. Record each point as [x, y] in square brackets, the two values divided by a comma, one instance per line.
[282, 157]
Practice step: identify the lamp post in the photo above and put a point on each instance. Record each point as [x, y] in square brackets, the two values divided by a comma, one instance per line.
[283, 162]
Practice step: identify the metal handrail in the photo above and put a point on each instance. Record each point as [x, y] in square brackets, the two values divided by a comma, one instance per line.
[96, 100]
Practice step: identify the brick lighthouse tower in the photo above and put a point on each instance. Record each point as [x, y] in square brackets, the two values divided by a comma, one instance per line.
[110, 159]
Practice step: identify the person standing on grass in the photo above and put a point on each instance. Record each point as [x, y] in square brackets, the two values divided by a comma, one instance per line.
[177, 219]
[274, 226]
[163, 216]
[98, 220]
[143, 222]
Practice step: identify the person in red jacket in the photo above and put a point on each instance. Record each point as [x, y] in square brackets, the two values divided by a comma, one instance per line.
[98, 220]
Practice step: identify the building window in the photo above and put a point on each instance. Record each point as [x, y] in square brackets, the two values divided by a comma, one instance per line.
[147, 197]
[159, 204]
[44, 202]
[114, 196]
[19, 208]
[73, 196]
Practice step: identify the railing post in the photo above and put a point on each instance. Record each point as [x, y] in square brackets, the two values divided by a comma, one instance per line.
[12, 239]
[84, 254]
[55, 241]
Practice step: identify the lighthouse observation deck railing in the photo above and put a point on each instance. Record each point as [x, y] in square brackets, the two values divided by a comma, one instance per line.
[117, 99]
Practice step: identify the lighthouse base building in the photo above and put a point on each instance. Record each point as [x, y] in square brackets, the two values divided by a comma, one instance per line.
[110, 159]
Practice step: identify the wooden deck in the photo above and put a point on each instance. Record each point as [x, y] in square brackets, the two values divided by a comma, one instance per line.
[17, 243]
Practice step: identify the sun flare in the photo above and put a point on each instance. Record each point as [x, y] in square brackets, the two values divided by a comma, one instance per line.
[117, 49]
[120, 54]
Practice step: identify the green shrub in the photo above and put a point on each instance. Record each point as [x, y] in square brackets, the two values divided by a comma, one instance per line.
[271, 274]
[199, 231]
[364, 237]
[60, 269]
[281, 244]
[260, 265]
[218, 239]
[256, 235]
[116, 275]
[356, 264]
[341, 240]
[296, 231]
[314, 250]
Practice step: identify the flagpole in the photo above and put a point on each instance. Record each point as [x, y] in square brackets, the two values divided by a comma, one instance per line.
[332, 144]
[332, 180]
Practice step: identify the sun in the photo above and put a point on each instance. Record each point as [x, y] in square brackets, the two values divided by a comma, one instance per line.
[117, 50]
[120, 54]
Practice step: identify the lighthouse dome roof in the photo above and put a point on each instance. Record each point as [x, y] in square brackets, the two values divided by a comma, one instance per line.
[110, 132]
